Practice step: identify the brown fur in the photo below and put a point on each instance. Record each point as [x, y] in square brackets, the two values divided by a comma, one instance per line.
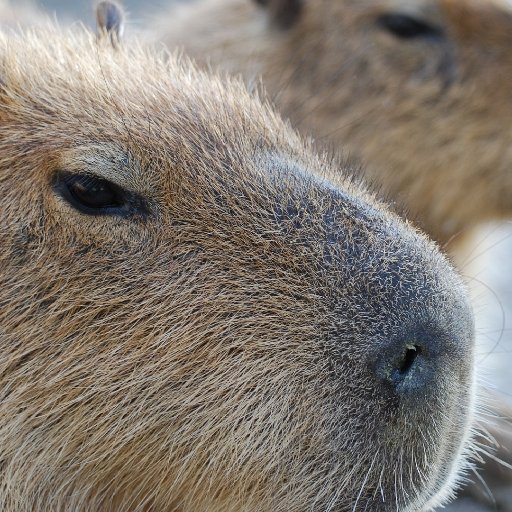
[429, 118]
[214, 347]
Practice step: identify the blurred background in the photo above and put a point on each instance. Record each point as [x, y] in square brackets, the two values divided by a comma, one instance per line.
[489, 268]
[138, 10]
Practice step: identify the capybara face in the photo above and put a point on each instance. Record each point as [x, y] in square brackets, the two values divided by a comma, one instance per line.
[194, 317]
[419, 90]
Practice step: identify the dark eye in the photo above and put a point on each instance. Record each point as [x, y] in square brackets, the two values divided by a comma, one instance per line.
[407, 27]
[96, 196]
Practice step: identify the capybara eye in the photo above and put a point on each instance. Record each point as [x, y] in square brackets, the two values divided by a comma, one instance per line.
[404, 26]
[92, 195]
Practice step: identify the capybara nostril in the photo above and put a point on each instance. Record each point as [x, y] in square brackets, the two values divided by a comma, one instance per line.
[407, 368]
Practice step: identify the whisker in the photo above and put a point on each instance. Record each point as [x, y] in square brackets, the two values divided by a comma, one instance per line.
[502, 311]
[364, 482]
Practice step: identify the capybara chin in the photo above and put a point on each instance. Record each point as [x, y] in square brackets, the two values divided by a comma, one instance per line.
[197, 314]
[418, 89]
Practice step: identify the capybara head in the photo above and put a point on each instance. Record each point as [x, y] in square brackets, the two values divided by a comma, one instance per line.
[418, 89]
[197, 314]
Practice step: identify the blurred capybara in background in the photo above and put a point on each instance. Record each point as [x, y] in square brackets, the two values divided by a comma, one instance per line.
[418, 89]
[198, 314]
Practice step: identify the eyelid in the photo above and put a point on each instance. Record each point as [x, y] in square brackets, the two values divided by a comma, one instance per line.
[105, 161]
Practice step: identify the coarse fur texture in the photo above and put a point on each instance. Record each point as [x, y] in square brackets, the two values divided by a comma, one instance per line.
[419, 90]
[220, 341]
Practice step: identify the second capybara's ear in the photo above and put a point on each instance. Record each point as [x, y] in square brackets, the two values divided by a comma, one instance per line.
[284, 13]
[110, 21]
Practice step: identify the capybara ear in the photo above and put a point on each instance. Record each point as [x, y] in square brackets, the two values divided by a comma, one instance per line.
[284, 13]
[110, 21]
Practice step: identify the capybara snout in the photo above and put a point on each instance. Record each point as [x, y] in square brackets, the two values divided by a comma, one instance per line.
[197, 314]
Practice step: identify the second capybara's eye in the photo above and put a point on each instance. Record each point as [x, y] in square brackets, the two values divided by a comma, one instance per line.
[404, 26]
[95, 196]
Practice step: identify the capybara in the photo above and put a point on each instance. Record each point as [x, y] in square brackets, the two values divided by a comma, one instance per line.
[419, 90]
[199, 315]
